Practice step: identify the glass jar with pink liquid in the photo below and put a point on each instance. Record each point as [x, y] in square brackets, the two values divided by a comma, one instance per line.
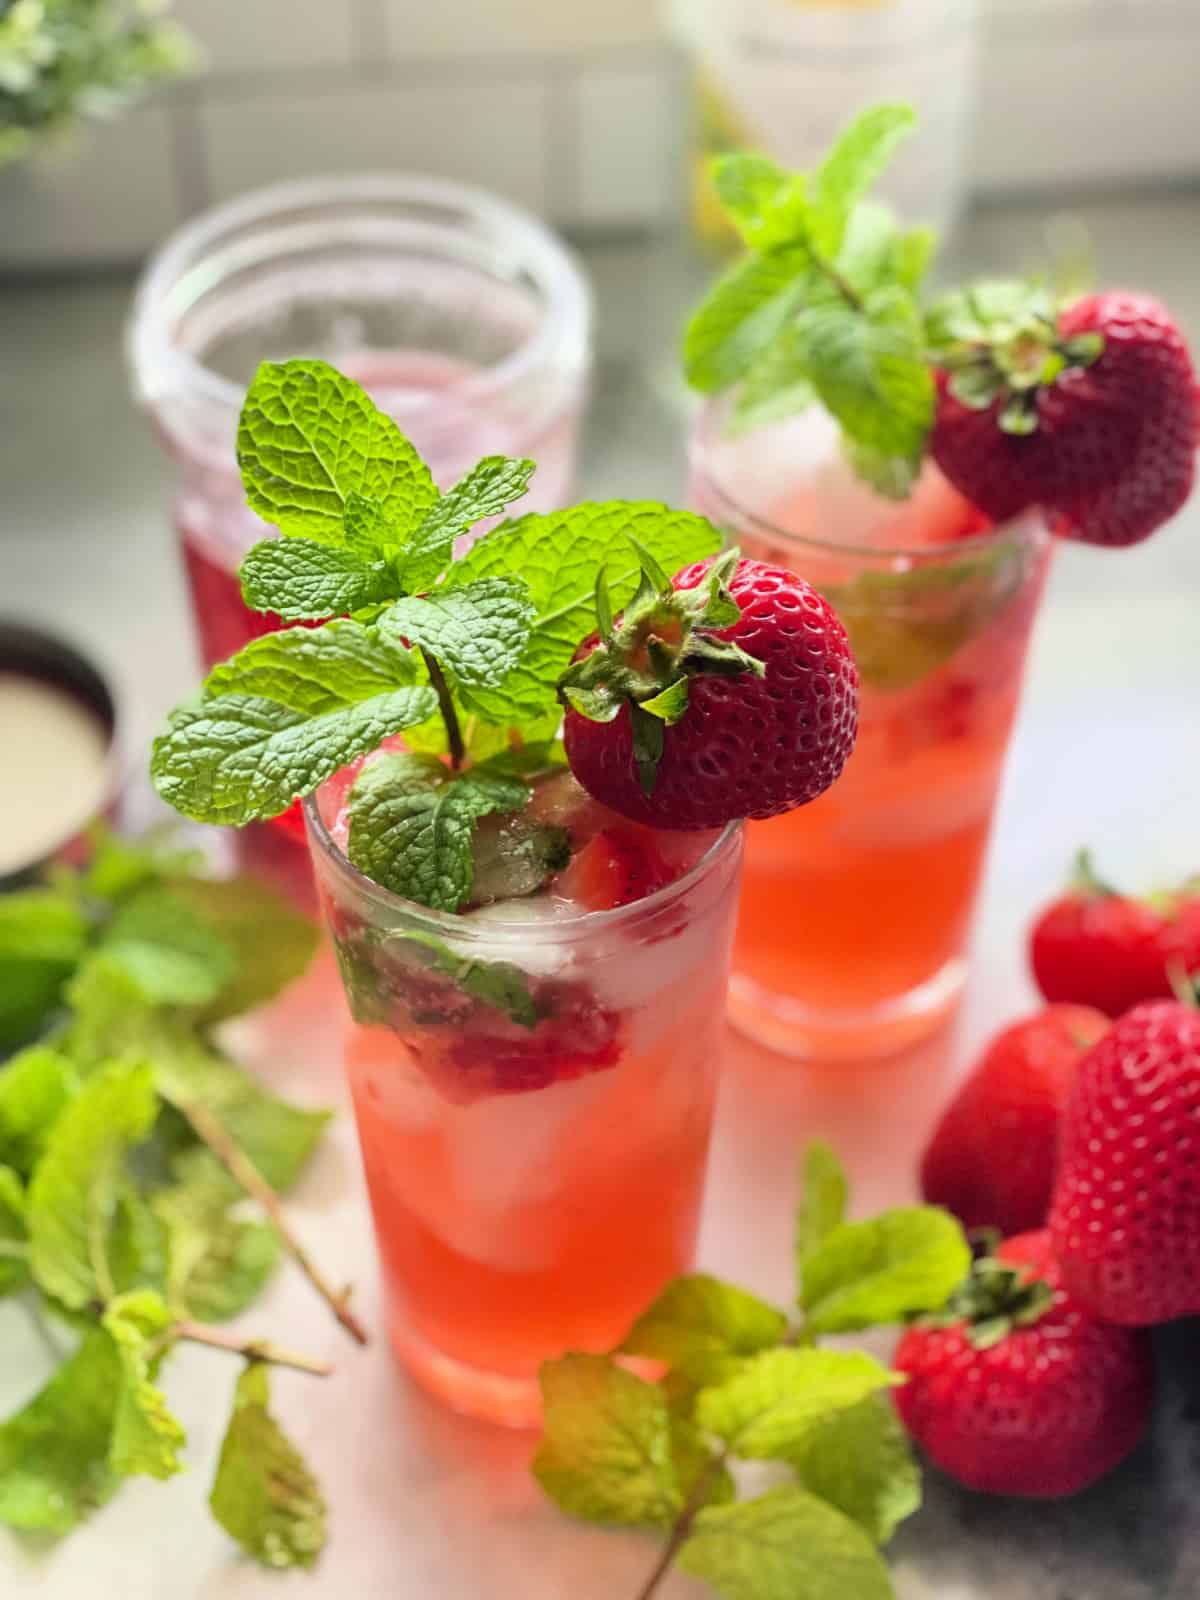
[856, 910]
[466, 319]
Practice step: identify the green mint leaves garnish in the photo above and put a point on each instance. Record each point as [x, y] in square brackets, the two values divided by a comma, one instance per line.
[747, 1384]
[119, 1214]
[825, 304]
[460, 654]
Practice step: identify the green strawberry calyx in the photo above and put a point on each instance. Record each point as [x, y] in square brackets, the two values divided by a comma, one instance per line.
[999, 343]
[646, 659]
[995, 1298]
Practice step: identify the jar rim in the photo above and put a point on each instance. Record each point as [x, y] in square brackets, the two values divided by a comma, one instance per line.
[1030, 524]
[162, 368]
[571, 927]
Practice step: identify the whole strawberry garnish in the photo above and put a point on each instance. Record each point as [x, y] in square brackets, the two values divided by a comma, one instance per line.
[1018, 1391]
[991, 1158]
[1097, 947]
[1089, 412]
[727, 692]
[1126, 1211]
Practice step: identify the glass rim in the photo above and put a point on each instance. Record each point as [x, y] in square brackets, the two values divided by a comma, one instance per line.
[1032, 522]
[162, 368]
[572, 926]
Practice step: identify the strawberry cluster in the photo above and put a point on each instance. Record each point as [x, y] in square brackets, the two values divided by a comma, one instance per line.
[1079, 1132]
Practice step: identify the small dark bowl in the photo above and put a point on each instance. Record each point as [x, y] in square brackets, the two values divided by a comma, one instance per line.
[42, 655]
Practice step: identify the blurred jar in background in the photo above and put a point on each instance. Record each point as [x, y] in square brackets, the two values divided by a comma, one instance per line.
[467, 320]
[784, 76]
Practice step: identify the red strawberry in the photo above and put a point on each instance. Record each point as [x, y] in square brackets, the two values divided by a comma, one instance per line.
[619, 865]
[991, 1158]
[1126, 1212]
[1089, 413]
[1096, 947]
[1021, 1392]
[728, 692]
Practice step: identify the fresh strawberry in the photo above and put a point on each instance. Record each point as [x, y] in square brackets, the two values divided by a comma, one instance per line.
[728, 692]
[1019, 1391]
[1094, 946]
[619, 865]
[1088, 412]
[1126, 1212]
[991, 1158]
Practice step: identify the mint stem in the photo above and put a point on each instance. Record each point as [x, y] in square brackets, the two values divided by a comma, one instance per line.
[252, 1349]
[843, 285]
[682, 1526]
[441, 688]
[240, 1167]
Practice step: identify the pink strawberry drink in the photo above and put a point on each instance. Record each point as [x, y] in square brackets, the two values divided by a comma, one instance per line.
[535, 1181]
[466, 319]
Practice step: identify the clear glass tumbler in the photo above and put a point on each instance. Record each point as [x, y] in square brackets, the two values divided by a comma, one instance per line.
[468, 321]
[533, 1187]
[856, 910]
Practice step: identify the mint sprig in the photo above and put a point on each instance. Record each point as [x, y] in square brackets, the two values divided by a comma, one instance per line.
[460, 653]
[125, 1140]
[748, 1384]
[825, 305]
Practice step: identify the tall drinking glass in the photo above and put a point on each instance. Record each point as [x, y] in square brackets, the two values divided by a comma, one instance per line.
[533, 1186]
[856, 910]
[466, 319]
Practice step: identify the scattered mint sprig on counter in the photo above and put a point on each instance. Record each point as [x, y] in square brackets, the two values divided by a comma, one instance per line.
[126, 1143]
[745, 1383]
[461, 652]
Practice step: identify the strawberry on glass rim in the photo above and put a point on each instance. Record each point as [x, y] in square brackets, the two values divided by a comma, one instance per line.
[914, 460]
[535, 973]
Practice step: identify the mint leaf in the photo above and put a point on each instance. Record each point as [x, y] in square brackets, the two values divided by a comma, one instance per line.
[786, 1545]
[35, 1086]
[865, 1274]
[894, 477]
[488, 489]
[822, 1199]
[697, 1473]
[767, 1408]
[54, 1452]
[265, 1495]
[146, 1438]
[74, 1192]
[495, 983]
[746, 183]
[776, 386]
[365, 526]
[303, 581]
[239, 757]
[705, 1329]
[136, 1244]
[560, 556]
[742, 315]
[411, 824]
[606, 1454]
[112, 1019]
[316, 670]
[30, 992]
[477, 632]
[870, 371]
[118, 867]
[875, 253]
[218, 1263]
[859, 157]
[41, 925]
[309, 439]
[168, 949]
[272, 944]
[14, 1242]
[861, 1462]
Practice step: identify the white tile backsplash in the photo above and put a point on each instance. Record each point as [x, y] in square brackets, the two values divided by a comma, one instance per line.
[420, 28]
[270, 35]
[626, 125]
[492, 134]
[107, 197]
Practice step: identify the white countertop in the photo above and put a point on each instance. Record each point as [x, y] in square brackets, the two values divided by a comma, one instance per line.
[426, 1505]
